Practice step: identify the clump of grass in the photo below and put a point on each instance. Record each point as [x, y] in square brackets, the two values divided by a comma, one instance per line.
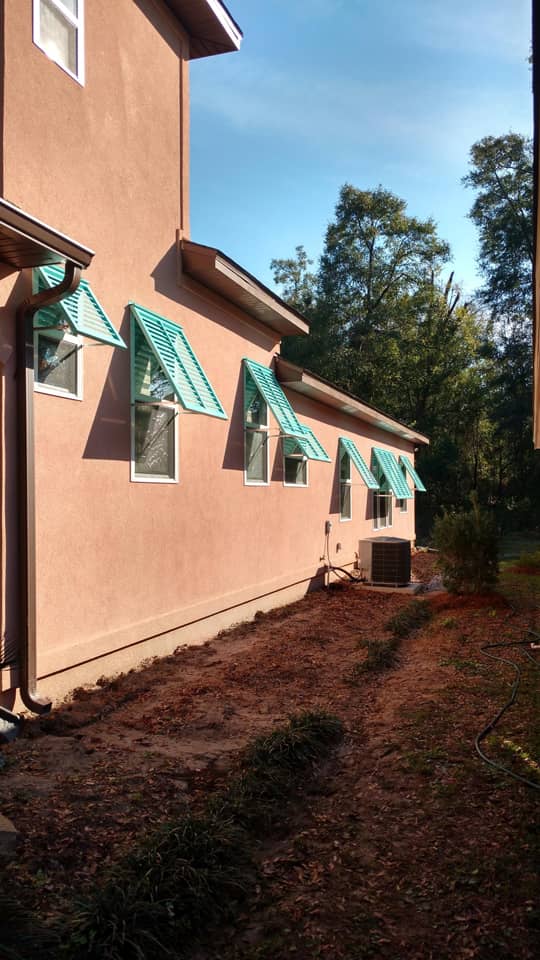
[186, 876]
[409, 618]
[530, 560]
[273, 767]
[195, 872]
[469, 667]
[381, 655]
[21, 931]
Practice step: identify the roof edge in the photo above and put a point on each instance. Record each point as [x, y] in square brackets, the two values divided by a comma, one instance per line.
[211, 28]
[315, 387]
[219, 273]
[26, 241]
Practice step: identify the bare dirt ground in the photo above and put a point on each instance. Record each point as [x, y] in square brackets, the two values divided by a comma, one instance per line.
[407, 847]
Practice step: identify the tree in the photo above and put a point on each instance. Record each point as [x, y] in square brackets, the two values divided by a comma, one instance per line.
[502, 175]
[376, 257]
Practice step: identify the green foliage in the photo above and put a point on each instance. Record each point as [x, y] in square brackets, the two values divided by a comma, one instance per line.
[193, 873]
[388, 326]
[381, 655]
[467, 542]
[502, 175]
[409, 618]
[531, 560]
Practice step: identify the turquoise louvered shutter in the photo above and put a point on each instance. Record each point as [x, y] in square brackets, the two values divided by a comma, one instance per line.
[393, 475]
[408, 467]
[291, 447]
[311, 447]
[81, 311]
[266, 383]
[356, 457]
[178, 362]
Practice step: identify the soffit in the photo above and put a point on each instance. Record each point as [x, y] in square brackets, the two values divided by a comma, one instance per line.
[27, 242]
[223, 276]
[210, 26]
[294, 378]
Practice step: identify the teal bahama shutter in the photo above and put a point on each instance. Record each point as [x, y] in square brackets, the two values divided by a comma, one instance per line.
[393, 474]
[308, 445]
[178, 362]
[408, 467]
[356, 457]
[266, 383]
[81, 312]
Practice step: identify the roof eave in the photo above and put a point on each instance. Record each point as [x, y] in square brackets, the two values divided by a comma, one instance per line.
[211, 28]
[295, 378]
[26, 241]
[217, 272]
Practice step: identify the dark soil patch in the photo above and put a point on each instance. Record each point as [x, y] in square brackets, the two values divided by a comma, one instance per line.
[410, 847]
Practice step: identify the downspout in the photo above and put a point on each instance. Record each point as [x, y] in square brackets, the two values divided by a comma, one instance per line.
[26, 483]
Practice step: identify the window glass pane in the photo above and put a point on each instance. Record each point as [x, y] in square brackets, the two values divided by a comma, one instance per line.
[151, 382]
[295, 470]
[256, 412]
[154, 441]
[57, 363]
[256, 459]
[382, 510]
[345, 467]
[72, 6]
[58, 36]
[345, 501]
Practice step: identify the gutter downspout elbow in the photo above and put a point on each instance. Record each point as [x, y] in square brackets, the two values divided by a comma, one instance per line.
[26, 483]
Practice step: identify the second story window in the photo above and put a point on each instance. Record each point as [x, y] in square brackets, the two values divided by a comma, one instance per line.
[59, 32]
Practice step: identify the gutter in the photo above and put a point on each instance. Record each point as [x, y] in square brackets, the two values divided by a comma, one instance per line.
[26, 482]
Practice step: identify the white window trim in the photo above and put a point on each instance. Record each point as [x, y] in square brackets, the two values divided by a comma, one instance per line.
[75, 21]
[347, 482]
[403, 504]
[264, 429]
[257, 428]
[148, 477]
[304, 460]
[139, 400]
[67, 337]
[376, 524]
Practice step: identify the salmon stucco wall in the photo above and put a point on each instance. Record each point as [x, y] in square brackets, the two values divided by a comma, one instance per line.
[130, 569]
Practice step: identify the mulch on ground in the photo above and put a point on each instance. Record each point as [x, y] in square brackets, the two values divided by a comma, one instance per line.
[408, 846]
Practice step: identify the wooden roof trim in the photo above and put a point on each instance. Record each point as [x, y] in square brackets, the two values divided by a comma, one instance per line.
[217, 272]
[211, 28]
[26, 241]
[302, 381]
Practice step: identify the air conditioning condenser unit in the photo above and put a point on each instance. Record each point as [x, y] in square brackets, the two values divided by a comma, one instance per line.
[385, 561]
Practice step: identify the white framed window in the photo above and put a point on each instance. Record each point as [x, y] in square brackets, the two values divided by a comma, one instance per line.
[382, 509]
[154, 428]
[58, 30]
[295, 464]
[256, 454]
[402, 505]
[58, 367]
[345, 487]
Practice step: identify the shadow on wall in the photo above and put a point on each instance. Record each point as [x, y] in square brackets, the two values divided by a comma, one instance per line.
[358, 492]
[109, 437]
[168, 282]
[9, 508]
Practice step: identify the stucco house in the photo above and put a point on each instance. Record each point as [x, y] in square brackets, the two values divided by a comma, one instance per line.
[164, 473]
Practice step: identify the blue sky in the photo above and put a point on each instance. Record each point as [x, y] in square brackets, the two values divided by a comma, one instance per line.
[325, 92]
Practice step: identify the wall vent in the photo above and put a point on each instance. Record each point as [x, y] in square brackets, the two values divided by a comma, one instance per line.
[386, 561]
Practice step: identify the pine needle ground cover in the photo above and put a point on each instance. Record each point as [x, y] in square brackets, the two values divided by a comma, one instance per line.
[403, 843]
